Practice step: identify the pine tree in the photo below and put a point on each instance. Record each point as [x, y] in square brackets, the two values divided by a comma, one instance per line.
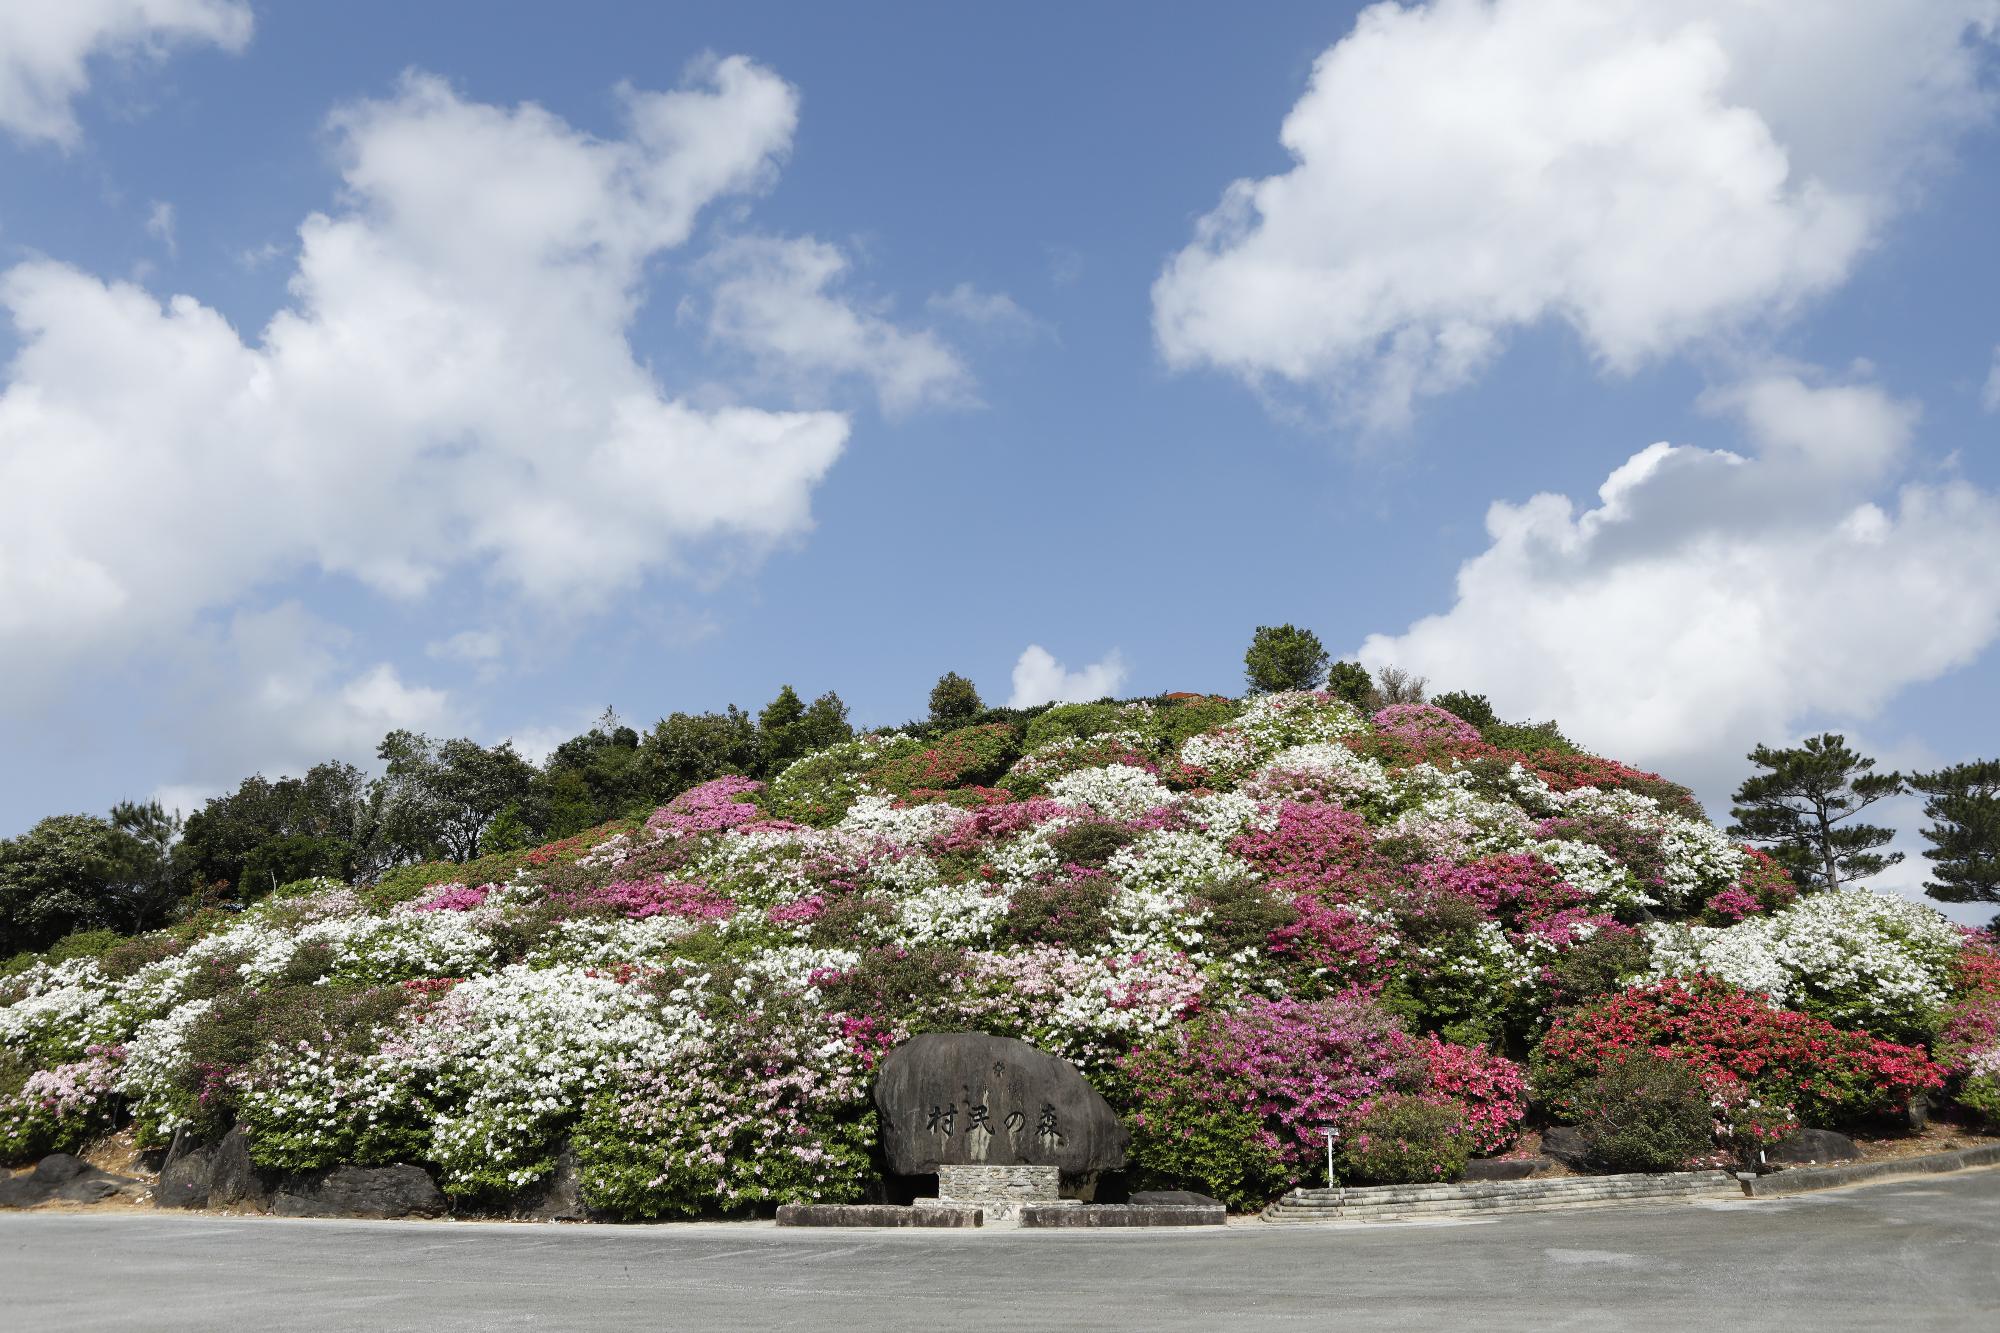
[1801, 807]
[1284, 657]
[954, 701]
[1964, 810]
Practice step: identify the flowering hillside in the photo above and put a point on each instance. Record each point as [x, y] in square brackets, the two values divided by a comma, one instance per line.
[1242, 921]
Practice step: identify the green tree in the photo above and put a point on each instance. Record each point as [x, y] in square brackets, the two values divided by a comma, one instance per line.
[266, 833]
[825, 723]
[1351, 681]
[1963, 804]
[954, 701]
[1475, 709]
[787, 729]
[436, 797]
[1284, 657]
[1801, 807]
[81, 872]
[587, 780]
[688, 749]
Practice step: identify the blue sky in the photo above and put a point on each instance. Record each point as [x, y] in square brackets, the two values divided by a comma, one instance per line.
[902, 339]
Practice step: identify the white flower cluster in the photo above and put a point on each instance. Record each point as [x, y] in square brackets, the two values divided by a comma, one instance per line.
[1115, 791]
[1853, 956]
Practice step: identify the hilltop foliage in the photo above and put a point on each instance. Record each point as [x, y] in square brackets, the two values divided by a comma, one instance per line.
[1242, 919]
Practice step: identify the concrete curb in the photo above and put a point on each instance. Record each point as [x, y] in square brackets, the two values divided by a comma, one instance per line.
[1807, 1179]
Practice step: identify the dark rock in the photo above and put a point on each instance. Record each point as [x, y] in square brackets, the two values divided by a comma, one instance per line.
[876, 1215]
[59, 1168]
[1917, 1115]
[1565, 1144]
[185, 1179]
[233, 1179]
[1122, 1215]
[1806, 1147]
[92, 1188]
[360, 1191]
[972, 1099]
[1505, 1168]
[1182, 1198]
[69, 1179]
[560, 1197]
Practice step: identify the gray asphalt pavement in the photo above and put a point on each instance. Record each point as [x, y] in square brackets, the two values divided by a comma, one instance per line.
[1919, 1254]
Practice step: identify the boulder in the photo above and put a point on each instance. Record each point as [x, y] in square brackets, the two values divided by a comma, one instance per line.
[233, 1179]
[184, 1180]
[1565, 1144]
[559, 1198]
[360, 1191]
[1806, 1147]
[1172, 1199]
[59, 1176]
[973, 1099]
[1505, 1168]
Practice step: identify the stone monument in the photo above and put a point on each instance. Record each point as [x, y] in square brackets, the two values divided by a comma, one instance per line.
[999, 1122]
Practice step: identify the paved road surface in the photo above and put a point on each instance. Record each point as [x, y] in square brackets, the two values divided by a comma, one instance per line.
[1918, 1254]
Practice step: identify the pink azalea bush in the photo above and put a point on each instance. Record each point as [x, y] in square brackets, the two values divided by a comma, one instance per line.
[1424, 724]
[1237, 1100]
[1493, 1089]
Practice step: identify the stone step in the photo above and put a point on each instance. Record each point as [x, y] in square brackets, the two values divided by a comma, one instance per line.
[1403, 1202]
[1506, 1188]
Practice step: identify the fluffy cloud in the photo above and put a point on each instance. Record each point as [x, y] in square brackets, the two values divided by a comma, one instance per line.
[46, 49]
[1651, 175]
[775, 299]
[1040, 679]
[1713, 599]
[277, 690]
[450, 387]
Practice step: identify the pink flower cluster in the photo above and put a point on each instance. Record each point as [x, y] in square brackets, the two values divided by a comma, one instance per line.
[1312, 847]
[1424, 724]
[76, 1088]
[455, 898]
[654, 895]
[803, 911]
[1301, 1064]
[711, 806]
[1493, 1088]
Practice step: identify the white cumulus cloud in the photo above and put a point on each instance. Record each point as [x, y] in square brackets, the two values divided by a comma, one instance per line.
[46, 48]
[1040, 679]
[1713, 599]
[1650, 174]
[450, 387]
[777, 299]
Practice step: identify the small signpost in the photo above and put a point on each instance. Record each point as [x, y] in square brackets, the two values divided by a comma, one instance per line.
[1330, 1133]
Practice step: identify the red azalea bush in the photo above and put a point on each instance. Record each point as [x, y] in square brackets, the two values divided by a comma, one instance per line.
[1235, 1101]
[1826, 1074]
[1493, 1089]
[966, 757]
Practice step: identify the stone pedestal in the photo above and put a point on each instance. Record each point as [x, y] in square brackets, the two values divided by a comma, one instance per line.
[999, 1184]
[1000, 1191]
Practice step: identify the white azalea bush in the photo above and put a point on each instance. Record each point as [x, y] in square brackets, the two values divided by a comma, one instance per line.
[1856, 958]
[691, 1003]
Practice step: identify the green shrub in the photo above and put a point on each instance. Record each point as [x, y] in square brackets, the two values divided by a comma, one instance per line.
[1091, 844]
[1078, 722]
[1602, 965]
[1071, 912]
[1645, 1112]
[1476, 709]
[1405, 1139]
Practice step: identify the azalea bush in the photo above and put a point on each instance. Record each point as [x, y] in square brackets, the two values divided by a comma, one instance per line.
[1235, 1101]
[1244, 921]
[1829, 1075]
[1404, 1139]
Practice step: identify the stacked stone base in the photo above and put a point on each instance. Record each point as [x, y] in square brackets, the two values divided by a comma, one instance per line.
[1001, 1192]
